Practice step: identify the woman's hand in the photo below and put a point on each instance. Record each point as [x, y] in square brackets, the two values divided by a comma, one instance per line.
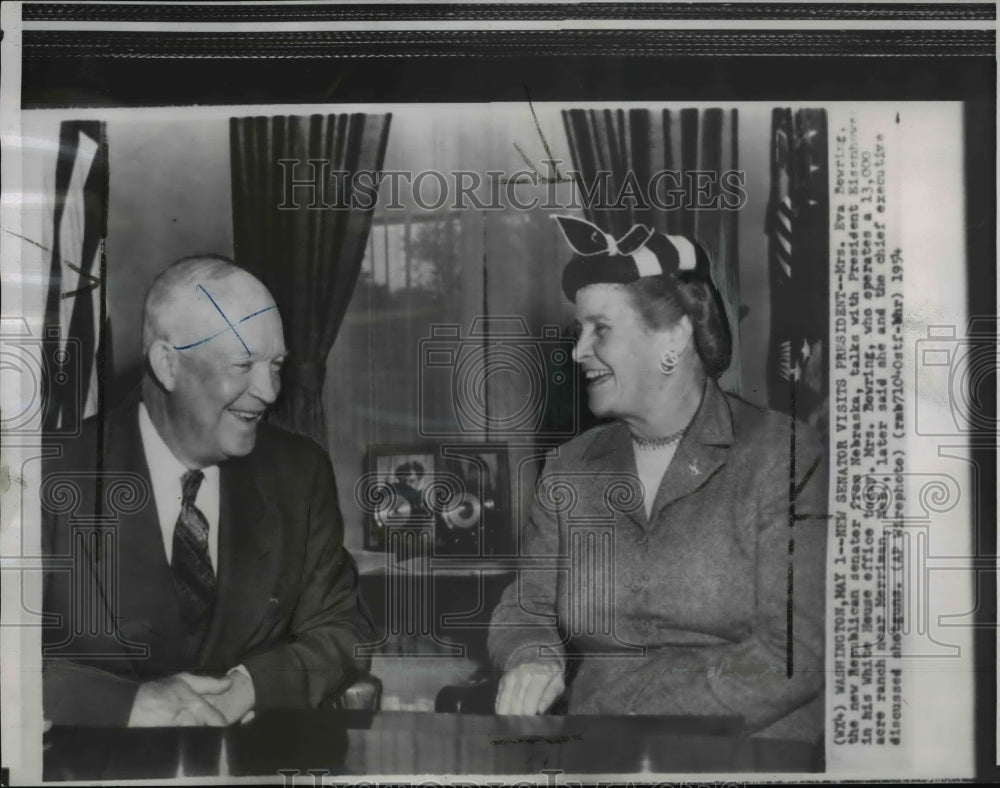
[529, 688]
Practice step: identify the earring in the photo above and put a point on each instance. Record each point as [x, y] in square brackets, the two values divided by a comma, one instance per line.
[668, 361]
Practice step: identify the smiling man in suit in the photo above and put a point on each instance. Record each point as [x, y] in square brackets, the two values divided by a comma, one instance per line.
[229, 591]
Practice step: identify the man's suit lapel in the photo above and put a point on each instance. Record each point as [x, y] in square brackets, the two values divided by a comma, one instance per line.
[147, 607]
[246, 575]
[701, 452]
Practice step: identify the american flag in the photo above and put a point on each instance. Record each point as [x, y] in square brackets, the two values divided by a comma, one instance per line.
[798, 251]
[77, 329]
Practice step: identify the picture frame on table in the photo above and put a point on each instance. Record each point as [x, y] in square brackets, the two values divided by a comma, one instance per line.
[453, 497]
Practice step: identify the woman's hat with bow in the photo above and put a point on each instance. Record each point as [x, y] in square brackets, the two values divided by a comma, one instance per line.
[600, 259]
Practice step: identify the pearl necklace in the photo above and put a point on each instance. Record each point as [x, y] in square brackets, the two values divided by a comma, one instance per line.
[652, 444]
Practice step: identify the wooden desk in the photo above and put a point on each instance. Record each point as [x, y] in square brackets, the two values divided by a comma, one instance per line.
[405, 743]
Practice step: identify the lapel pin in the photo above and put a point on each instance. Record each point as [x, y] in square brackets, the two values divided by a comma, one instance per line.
[693, 467]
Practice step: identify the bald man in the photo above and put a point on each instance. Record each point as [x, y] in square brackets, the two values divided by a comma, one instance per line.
[221, 587]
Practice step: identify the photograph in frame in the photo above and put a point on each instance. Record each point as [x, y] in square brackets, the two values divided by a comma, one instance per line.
[457, 496]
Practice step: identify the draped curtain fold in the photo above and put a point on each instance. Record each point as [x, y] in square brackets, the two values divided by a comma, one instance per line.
[622, 155]
[308, 254]
[76, 302]
[798, 228]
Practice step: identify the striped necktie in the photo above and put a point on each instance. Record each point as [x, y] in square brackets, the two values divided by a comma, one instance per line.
[194, 577]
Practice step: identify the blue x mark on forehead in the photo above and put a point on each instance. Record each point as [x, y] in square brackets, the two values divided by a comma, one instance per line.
[230, 326]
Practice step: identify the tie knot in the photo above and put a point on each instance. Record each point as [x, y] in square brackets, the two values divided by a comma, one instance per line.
[190, 482]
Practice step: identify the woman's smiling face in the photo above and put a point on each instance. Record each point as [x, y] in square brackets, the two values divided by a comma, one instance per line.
[619, 354]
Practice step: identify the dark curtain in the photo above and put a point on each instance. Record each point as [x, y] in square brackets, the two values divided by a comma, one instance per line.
[667, 170]
[306, 244]
[798, 252]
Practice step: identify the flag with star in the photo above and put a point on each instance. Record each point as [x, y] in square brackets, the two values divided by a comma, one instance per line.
[77, 328]
[798, 252]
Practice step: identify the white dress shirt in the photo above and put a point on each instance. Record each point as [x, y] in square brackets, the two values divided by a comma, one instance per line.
[165, 472]
[651, 464]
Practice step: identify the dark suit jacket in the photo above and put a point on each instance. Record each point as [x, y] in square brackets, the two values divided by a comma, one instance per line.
[714, 604]
[288, 606]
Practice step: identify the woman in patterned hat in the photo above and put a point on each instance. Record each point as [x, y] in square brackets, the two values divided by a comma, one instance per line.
[681, 546]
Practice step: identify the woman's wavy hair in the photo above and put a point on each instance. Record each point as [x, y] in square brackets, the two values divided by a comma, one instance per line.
[662, 300]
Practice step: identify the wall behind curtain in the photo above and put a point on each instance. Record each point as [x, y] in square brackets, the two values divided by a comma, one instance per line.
[169, 198]
[755, 329]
